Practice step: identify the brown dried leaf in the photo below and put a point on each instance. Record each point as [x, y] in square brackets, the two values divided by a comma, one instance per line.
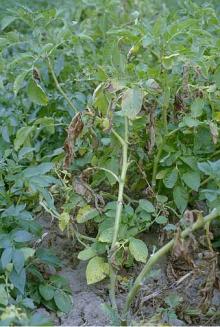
[214, 132]
[73, 131]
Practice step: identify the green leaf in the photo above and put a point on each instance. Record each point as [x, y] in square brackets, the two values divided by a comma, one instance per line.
[3, 295]
[46, 291]
[19, 81]
[47, 256]
[22, 135]
[18, 260]
[86, 254]
[132, 100]
[106, 235]
[18, 280]
[96, 270]
[161, 220]
[41, 169]
[171, 178]
[47, 123]
[63, 301]
[192, 180]
[146, 205]
[36, 93]
[138, 250]
[6, 257]
[22, 236]
[86, 213]
[27, 252]
[180, 196]
[197, 107]
[217, 76]
[6, 21]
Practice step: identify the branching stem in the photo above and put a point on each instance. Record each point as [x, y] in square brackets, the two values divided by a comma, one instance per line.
[201, 222]
[124, 143]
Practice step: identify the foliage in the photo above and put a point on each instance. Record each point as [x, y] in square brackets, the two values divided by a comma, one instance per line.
[146, 81]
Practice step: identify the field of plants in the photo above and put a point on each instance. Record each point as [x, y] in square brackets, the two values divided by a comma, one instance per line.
[109, 162]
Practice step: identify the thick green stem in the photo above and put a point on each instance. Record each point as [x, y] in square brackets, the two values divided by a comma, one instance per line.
[202, 221]
[124, 143]
[121, 186]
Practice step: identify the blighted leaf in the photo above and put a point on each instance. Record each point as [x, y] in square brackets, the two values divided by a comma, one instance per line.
[146, 205]
[180, 196]
[153, 85]
[171, 178]
[192, 179]
[46, 291]
[74, 129]
[63, 301]
[36, 93]
[96, 270]
[22, 135]
[86, 213]
[138, 250]
[132, 100]
[86, 254]
[64, 220]
[214, 132]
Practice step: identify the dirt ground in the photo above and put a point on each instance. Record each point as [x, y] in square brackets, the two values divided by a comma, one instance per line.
[198, 287]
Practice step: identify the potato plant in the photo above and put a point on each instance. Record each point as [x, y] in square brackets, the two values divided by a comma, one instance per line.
[109, 119]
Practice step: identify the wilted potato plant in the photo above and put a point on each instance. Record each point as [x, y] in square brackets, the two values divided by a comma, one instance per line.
[110, 123]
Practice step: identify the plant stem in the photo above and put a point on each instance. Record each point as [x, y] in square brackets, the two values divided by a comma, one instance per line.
[59, 88]
[121, 185]
[201, 221]
[124, 143]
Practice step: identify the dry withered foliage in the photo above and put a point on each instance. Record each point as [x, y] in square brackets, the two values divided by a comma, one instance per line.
[73, 131]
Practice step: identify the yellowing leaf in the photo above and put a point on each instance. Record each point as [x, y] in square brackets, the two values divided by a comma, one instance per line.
[86, 213]
[96, 270]
[64, 220]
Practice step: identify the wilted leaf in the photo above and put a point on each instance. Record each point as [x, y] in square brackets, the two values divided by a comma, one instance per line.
[132, 102]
